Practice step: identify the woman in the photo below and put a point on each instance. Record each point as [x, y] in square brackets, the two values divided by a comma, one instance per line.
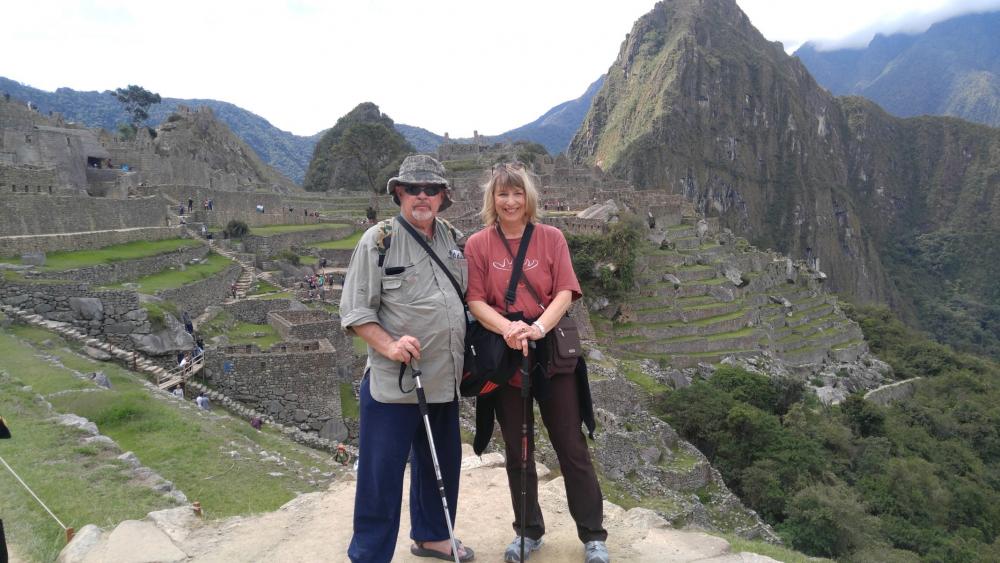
[510, 203]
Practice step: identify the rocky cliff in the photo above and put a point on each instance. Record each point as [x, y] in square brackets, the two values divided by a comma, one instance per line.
[197, 135]
[699, 103]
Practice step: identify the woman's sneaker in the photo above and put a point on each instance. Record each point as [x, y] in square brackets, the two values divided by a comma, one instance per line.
[595, 552]
[513, 552]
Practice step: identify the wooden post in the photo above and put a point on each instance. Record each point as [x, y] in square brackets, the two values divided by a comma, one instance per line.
[197, 508]
[70, 532]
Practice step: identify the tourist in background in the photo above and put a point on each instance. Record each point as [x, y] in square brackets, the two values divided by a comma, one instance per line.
[510, 203]
[405, 308]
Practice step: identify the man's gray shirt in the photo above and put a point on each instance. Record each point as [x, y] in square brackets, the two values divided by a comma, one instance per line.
[409, 295]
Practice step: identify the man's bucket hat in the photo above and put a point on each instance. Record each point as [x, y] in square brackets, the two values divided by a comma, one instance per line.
[420, 169]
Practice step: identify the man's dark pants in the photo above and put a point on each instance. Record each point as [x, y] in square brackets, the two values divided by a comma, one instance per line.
[391, 433]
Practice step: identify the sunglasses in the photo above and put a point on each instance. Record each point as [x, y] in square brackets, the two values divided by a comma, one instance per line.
[431, 191]
[510, 166]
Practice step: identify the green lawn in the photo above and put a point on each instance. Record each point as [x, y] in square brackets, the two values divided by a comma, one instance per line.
[239, 332]
[281, 229]
[84, 484]
[261, 287]
[58, 261]
[173, 278]
[341, 244]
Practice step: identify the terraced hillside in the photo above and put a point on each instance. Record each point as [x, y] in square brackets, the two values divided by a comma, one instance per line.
[705, 296]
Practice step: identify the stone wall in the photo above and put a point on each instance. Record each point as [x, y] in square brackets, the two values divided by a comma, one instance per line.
[195, 297]
[127, 270]
[255, 311]
[296, 383]
[109, 315]
[270, 245]
[303, 325]
[575, 226]
[29, 214]
[19, 244]
[335, 257]
[231, 205]
[28, 179]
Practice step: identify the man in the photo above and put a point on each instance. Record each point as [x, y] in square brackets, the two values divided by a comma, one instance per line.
[403, 305]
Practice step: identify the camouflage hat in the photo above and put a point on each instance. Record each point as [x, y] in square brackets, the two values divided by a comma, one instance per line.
[420, 169]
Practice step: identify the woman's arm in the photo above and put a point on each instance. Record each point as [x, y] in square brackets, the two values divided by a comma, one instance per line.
[514, 333]
[552, 314]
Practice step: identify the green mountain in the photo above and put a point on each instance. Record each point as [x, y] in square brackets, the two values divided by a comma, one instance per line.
[363, 143]
[282, 150]
[899, 211]
[953, 68]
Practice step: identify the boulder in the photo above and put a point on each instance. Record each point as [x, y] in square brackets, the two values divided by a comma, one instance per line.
[87, 308]
[167, 341]
[702, 228]
[600, 211]
[100, 379]
[85, 539]
[33, 258]
[97, 354]
[334, 430]
[735, 276]
[77, 422]
[141, 542]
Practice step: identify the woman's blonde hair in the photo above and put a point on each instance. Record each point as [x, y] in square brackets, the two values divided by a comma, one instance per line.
[509, 175]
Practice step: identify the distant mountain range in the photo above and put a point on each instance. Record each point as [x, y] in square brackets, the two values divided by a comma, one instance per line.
[288, 153]
[953, 68]
[899, 211]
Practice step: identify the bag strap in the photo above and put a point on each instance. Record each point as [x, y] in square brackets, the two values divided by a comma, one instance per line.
[430, 251]
[518, 269]
[519, 262]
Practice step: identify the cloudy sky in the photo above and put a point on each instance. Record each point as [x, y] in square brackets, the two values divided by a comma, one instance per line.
[446, 65]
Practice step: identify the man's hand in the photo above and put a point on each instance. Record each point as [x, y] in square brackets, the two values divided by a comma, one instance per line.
[405, 349]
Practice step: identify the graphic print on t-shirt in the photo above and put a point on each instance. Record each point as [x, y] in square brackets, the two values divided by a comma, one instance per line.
[508, 264]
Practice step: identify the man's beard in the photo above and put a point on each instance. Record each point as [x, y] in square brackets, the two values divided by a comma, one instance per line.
[422, 215]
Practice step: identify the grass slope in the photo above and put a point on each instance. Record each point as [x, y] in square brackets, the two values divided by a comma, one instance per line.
[211, 457]
[68, 260]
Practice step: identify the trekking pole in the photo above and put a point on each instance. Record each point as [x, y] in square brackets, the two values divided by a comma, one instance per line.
[525, 406]
[422, 400]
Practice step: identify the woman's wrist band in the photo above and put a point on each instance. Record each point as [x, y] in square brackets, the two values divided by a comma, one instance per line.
[540, 326]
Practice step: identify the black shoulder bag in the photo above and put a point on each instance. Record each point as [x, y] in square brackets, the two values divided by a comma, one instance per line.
[489, 362]
[562, 345]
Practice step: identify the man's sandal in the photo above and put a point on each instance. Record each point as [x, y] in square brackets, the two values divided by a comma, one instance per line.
[419, 550]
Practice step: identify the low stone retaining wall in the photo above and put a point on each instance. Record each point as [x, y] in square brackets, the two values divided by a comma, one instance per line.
[303, 325]
[272, 244]
[115, 272]
[295, 382]
[255, 311]
[31, 214]
[17, 245]
[196, 297]
[109, 315]
[335, 258]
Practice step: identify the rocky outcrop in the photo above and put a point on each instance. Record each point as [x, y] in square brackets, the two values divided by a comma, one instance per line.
[699, 103]
[317, 527]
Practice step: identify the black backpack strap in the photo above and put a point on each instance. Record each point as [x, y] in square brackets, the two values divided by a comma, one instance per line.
[515, 276]
[430, 251]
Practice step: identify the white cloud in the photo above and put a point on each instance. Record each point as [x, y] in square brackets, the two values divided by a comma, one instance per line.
[447, 65]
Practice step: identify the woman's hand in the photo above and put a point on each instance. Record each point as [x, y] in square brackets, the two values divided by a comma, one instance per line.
[517, 334]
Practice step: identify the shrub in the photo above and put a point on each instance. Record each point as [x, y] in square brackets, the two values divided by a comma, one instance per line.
[828, 521]
[236, 229]
[290, 257]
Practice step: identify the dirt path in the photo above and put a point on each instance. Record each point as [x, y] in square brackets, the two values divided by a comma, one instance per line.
[317, 527]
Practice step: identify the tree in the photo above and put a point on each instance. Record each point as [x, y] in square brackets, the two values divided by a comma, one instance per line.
[136, 101]
[371, 147]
